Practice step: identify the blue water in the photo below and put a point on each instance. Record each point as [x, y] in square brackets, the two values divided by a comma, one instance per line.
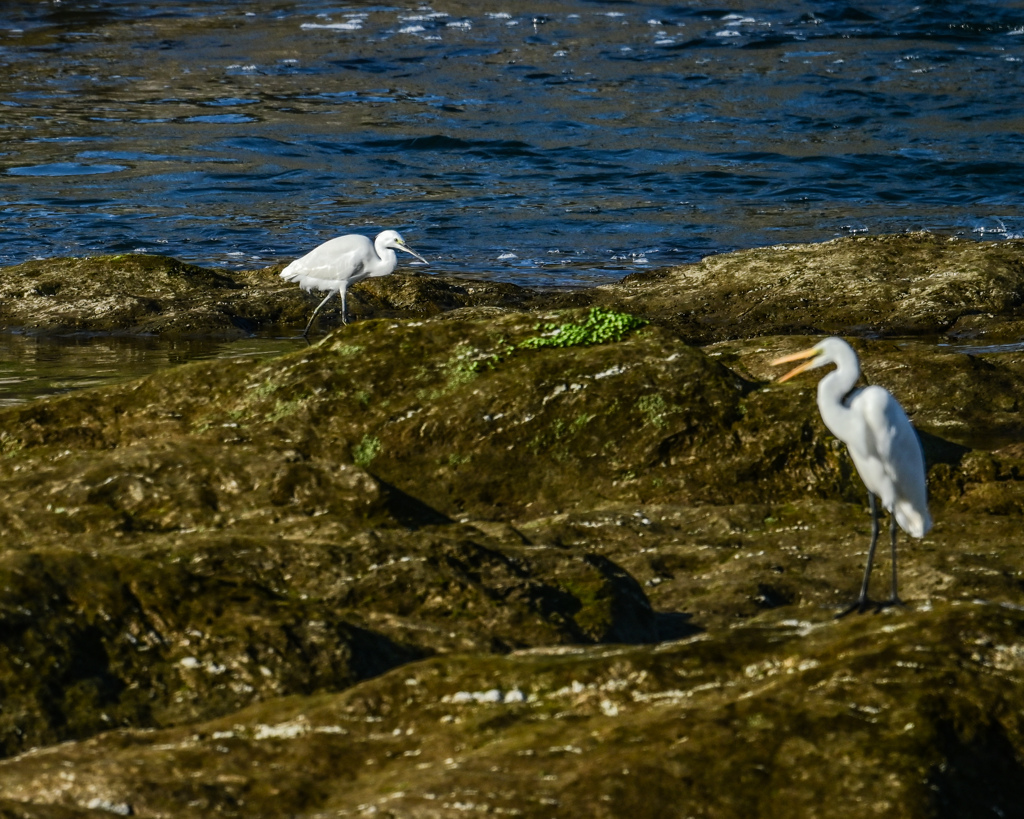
[551, 144]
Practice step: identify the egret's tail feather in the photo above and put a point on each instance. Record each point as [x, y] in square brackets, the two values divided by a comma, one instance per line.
[913, 521]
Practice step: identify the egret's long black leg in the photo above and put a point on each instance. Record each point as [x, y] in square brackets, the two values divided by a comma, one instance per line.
[319, 307]
[344, 311]
[895, 599]
[861, 603]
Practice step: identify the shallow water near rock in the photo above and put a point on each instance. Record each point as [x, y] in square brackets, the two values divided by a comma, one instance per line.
[32, 367]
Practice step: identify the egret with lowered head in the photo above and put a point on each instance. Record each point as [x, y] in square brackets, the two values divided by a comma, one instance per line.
[345, 260]
[882, 443]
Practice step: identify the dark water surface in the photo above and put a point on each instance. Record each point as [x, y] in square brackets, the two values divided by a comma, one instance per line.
[541, 143]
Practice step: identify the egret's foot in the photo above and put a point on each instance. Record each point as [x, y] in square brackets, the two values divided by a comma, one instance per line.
[860, 606]
[891, 603]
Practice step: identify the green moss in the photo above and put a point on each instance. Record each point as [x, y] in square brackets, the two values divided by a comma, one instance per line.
[655, 410]
[366, 450]
[602, 326]
[559, 433]
[9, 444]
[346, 350]
[282, 409]
[581, 421]
[466, 365]
[263, 390]
[461, 370]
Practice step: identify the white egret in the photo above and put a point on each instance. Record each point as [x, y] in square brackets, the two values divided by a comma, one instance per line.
[345, 260]
[882, 443]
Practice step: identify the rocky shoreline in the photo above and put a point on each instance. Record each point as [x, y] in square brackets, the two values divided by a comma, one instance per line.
[435, 564]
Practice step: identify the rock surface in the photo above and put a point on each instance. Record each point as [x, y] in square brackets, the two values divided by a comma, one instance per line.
[457, 560]
[140, 294]
[911, 284]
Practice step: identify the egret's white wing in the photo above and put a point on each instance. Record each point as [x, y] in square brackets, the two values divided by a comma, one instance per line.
[325, 267]
[893, 444]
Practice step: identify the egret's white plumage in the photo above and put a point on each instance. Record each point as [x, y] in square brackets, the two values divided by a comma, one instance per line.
[882, 442]
[345, 260]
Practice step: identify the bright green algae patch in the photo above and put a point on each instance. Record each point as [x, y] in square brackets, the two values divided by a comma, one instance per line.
[601, 326]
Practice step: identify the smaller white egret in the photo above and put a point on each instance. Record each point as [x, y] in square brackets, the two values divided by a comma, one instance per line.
[882, 443]
[345, 260]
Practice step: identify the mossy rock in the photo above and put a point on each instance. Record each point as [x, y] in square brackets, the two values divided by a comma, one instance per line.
[910, 284]
[146, 294]
[909, 716]
[93, 642]
[438, 411]
[585, 559]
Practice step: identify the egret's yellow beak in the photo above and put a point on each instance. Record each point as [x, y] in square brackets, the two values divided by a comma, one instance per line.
[810, 354]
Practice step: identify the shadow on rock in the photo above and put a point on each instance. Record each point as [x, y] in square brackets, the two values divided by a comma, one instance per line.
[980, 774]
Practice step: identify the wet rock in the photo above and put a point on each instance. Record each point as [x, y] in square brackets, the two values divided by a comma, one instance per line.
[469, 561]
[902, 285]
[95, 641]
[163, 629]
[267, 482]
[912, 715]
[140, 294]
[910, 284]
[437, 410]
[10, 809]
[413, 294]
[129, 293]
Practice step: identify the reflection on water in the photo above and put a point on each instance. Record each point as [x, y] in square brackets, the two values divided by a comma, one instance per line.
[985, 349]
[36, 366]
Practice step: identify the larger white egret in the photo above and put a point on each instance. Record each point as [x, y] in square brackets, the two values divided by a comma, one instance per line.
[345, 260]
[882, 443]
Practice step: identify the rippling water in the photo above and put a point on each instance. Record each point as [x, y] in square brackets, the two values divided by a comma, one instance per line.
[542, 143]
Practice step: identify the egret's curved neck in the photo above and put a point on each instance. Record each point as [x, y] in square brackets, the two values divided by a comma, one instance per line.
[835, 387]
[388, 259]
